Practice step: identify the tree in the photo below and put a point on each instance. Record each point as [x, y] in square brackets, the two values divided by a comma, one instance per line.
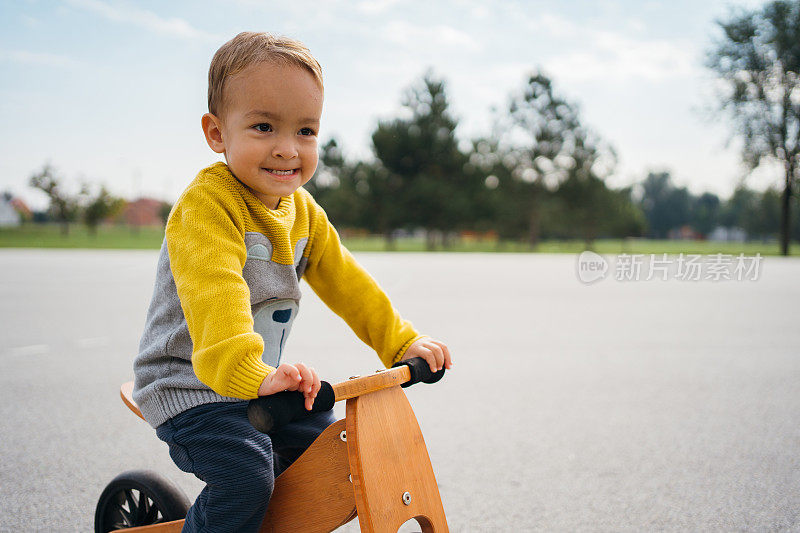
[99, 206]
[377, 191]
[768, 214]
[502, 202]
[628, 219]
[336, 186]
[164, 209]
[63, 207]
[552, 148]
[593, 210]
[424, 167]
[758, 59]
[665, 206]
[796, 221]
[705, 213]
[741, 209]
[590, 204]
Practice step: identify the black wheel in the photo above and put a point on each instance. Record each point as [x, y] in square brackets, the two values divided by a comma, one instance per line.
[138, 498]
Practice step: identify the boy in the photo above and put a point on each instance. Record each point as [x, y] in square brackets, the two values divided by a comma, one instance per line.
[237, 242]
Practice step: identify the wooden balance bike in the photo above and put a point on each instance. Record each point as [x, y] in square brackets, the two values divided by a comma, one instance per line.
[373, 464]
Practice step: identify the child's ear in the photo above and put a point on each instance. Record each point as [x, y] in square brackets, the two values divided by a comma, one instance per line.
[212, 128]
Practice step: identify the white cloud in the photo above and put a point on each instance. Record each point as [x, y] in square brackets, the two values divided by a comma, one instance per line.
[614, 56]
[30, 21]
[604, 54]
[480, 12]
[38, 58]
[148, 20]
[555, 25]
[636, 25]
[375, 6]
[407, 34]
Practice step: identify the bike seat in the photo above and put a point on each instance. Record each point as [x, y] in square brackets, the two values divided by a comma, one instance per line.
[125, 393]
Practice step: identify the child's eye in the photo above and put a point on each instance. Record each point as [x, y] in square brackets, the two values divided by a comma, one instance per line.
[264, 127]
[307, 131]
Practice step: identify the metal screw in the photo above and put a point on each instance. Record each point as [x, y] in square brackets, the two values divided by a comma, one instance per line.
[353, 377]
[407, 498]
[350, 477]
[343, 436]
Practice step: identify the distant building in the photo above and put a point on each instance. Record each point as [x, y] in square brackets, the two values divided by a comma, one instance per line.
[477, 236]
[9, 216]
[684, 233]
[143, 212]
[22, 208]
[723, 234]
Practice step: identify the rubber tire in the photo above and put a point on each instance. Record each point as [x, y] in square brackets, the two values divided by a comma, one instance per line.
[163, 502]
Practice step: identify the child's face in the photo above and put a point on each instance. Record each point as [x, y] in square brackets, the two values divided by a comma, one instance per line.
[268, 129]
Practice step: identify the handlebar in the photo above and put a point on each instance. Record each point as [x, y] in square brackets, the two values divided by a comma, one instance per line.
[268, 412]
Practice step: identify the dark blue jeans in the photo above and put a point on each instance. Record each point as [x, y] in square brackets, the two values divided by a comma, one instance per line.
[216, 443]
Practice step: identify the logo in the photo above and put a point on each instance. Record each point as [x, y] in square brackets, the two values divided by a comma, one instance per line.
[591, 267]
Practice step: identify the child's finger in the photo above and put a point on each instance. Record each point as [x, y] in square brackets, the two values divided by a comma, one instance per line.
[288, 370]
[438, 355]
[307, 377]
[289, 376]
[313, 388]
[448, 360]
[427, 354]
[317, 384]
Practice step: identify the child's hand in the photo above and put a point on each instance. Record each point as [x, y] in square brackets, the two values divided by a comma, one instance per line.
[292, 377]
[433, 351]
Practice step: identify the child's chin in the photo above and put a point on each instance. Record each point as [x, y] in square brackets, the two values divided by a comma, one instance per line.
[293, 182]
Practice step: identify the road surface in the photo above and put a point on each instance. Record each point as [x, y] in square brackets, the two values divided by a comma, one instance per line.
[613, 406]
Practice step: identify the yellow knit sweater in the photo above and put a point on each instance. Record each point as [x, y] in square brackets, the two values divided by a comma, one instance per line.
[207, 237]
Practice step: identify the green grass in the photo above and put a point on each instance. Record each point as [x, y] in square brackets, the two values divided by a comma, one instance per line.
[122, 237]
[49, 236]
[601, 246]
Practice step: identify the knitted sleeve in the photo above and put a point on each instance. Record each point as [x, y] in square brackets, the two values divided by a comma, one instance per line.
[207, 254]
[350, 292]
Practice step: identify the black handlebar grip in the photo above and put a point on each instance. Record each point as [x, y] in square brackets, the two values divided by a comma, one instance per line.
[268, 412]
[420, 371]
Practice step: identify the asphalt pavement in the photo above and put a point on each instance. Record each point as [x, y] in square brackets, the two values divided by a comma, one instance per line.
[614, 406]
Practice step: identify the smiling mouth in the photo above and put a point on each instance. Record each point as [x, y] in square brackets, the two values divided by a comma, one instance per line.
[278, 172]
[284, 175]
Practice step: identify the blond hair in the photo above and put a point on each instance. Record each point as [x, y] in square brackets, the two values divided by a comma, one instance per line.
[250, 48]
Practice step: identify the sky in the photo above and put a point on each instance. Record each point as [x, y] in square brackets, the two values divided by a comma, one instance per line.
[112, 91]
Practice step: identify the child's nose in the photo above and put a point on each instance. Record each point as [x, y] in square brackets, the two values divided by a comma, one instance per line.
[284, 149]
